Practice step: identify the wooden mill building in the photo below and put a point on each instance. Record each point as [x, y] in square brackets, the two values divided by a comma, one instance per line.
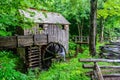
[52, 24]
[33, 43]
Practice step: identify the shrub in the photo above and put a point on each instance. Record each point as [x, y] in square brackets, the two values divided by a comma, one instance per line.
[71, 70]
[7, 67]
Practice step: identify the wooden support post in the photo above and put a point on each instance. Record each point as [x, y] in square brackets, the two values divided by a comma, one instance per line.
[40, 63]
[75, 39]
[81, 39]
[88, 39]
[94, 76]
[98, 72]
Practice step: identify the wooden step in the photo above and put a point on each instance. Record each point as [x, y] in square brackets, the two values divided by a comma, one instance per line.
[35, 65]
[34, 50]
[32, 56]
[35, 62]
[33, 59]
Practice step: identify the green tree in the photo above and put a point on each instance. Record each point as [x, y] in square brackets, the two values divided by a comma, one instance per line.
[77, 12]
[10, 17]
[110, 15]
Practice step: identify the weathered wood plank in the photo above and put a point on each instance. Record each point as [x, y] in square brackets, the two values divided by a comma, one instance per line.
[94, 76]
[40, 39]
[25, 41]
[103, 67]
[32, 56]
[34, 62]
[51, 38]
[98, 72]
[8, 42]
[112, 78]
[111, 75]
[33, 59]
[81, 39]
[32, 65]
[98, 60]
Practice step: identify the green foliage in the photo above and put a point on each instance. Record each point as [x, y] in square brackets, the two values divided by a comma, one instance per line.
[71, 70]
[72, 45]
[77, 12]
[10, 17]
[72, 48]
[73, 11]
[7, 67]
[110, 8]
[109, 11]
[85, 54]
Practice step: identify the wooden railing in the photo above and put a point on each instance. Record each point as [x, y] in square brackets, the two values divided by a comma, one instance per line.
[97, 74]
[81, 39]
[112, 38]
[85, 39]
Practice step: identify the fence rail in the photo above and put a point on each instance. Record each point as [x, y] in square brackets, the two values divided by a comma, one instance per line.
[81, 39]
[85, 39]
[114, 38]
[99, 74]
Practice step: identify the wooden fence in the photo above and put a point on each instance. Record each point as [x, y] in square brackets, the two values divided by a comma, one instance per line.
[114, 38]
[81, 39]
[97, 73]
[85, 39]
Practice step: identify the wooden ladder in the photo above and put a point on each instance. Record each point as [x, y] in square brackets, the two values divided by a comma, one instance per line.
[34, 57]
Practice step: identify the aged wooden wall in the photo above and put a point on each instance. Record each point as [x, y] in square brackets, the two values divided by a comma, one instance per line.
[58, 33]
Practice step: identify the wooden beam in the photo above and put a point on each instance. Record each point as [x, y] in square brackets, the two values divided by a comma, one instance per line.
[98, 72]
[103, 67]
[99, 60]
[8, 42]
[111, 75]
[94, 76]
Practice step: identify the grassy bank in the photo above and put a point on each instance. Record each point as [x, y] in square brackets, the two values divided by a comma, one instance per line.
[69, 70]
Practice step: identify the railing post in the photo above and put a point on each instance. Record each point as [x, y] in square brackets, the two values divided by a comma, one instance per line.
[98, 71]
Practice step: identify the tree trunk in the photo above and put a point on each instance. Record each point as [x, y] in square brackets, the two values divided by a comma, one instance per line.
[78, 25]
[92, 36]
[82, 23]
[102, 30]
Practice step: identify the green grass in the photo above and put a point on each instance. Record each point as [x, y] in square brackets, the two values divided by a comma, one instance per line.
[70, 70]
[11, 65]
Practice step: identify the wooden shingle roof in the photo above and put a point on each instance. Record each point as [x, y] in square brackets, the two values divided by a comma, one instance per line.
[44, 17]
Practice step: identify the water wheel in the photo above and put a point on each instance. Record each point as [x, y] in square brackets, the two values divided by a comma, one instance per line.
[53, 51]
